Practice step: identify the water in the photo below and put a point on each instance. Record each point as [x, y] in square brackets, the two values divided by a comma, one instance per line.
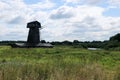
[93, 48]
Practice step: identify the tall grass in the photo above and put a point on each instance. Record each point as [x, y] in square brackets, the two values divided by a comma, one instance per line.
[58, 63]
[13, 71]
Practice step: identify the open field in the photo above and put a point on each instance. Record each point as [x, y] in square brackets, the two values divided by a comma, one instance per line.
[58, 63]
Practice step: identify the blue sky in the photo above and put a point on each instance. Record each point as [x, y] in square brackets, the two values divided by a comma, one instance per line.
[84, 20]
[32, 1]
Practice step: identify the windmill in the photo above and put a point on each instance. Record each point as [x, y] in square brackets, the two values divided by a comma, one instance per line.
[33, 39]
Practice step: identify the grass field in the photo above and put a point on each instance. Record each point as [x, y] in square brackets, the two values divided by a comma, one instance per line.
[58, 63]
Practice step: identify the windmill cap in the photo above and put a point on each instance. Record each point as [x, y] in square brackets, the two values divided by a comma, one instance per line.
[34, 24]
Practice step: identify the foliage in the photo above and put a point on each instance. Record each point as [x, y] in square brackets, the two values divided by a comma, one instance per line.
[43, 41]
[86, 44]
[75, 43]
[114, 42]
[115, 37]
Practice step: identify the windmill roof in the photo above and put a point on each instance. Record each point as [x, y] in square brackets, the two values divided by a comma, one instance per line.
[34, 24]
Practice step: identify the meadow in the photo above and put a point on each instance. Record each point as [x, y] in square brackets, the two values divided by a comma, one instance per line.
[58, 63]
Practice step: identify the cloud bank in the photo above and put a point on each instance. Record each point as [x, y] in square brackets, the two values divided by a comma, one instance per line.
[73, 19]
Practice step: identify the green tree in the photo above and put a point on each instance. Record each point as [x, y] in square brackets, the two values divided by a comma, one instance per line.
[115, 38]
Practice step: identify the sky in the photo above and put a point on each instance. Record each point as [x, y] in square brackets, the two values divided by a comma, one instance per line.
[83, 20]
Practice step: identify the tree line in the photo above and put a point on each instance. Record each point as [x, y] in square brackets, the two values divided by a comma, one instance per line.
[113, 42]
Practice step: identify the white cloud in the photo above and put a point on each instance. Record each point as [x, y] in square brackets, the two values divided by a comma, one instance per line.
[14, 16]
[62, 13]
[46, 4]
[78, 2]
[88, 21]
[115, 3]
[82, 22]
[92, 1]
[111, 3]
[72, 1]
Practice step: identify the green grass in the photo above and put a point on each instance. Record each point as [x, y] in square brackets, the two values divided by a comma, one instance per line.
[58, 63]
